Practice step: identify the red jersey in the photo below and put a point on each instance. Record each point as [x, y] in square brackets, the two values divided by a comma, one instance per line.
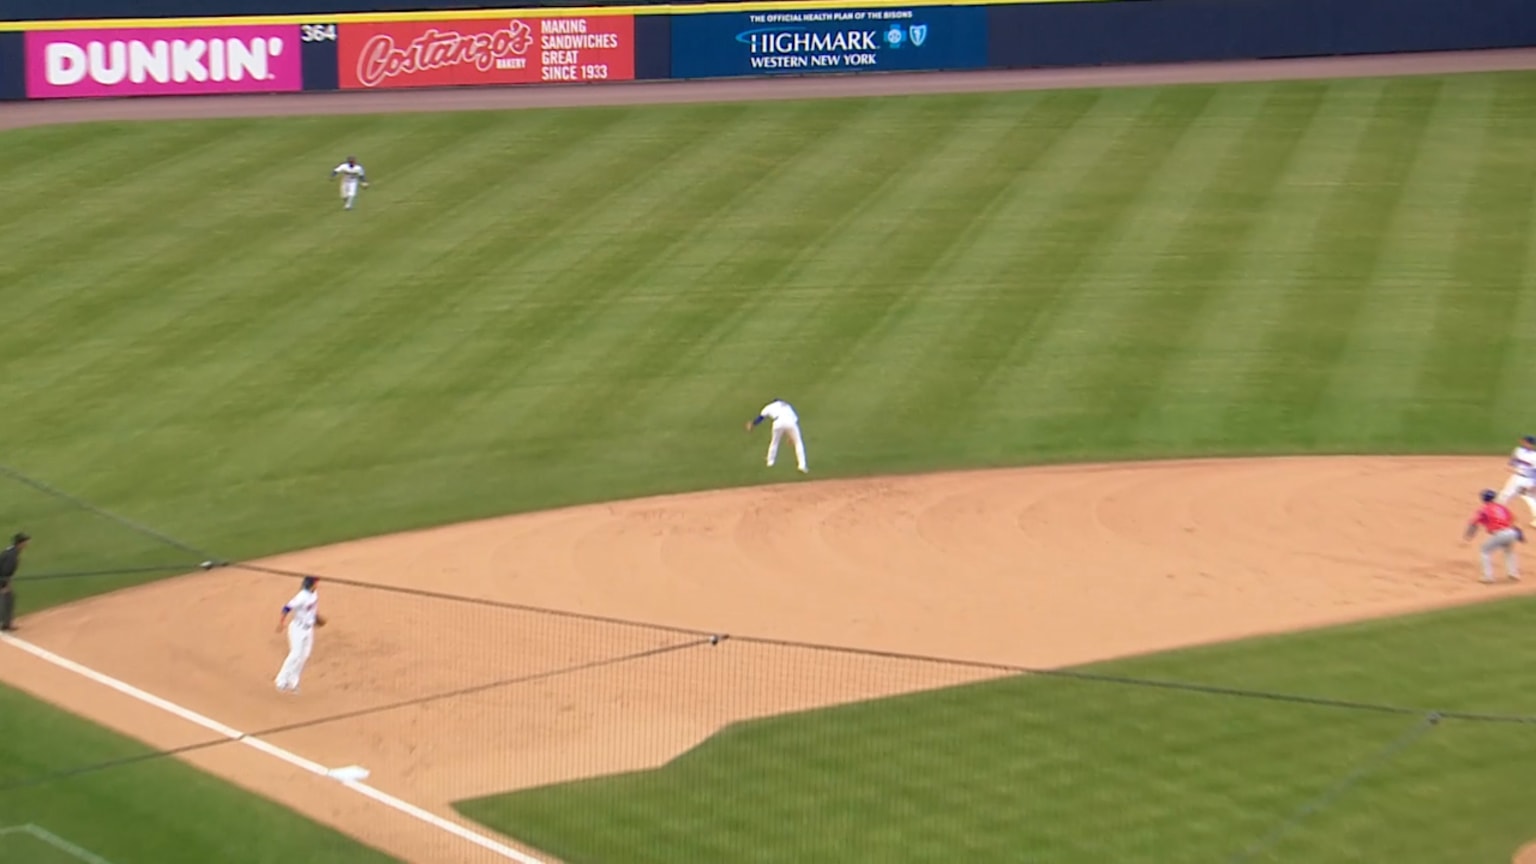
[1494, 516]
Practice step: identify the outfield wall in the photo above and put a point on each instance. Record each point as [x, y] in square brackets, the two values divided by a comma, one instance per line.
[278, 50]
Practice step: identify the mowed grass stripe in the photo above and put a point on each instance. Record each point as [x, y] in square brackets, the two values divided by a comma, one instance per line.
[670, 311]
[934, 181]
[194, 369]
[829, 204]
[899, 372]
[1205, 389]
[874, 272]
[718, 268]
[1402, 298]
[645, 333]
[234, 275]
[1036, 262]
[605, 353]
[962, 184]
[416, 295]
[98, 156]
[704, 337]
[63, 192]
[63, 168]
[1483, 360]
[270, 295]
[690, 179]
[567, 372]
[454, 361]
[94, 263]
[1142, 128]
[1199, 282]
[166, 237]
[284, 283]
[1248, 139]
[1140, 217]
[501, 310]
[844, 310]
[544, 156]
[995, 286]
[753, 342]
[141, 323]
[284, 435]
[1303, 348]
[414, 287]
[971, 139]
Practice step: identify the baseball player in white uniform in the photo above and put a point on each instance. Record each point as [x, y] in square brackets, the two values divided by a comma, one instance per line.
[786, 424]
[1522, 476]
[352, 176]
[304, 607]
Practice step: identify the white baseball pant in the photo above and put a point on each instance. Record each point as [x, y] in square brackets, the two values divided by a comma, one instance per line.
[301, 640]
[792, 432]
[1522, 486]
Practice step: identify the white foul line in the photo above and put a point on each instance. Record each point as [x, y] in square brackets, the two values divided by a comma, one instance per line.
[294, 759]
[56, 842]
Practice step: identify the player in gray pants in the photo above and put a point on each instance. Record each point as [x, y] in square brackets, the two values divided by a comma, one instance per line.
[1496, 519]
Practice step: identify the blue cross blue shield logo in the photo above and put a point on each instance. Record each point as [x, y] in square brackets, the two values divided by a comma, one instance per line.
[919, 34]
[894, 36]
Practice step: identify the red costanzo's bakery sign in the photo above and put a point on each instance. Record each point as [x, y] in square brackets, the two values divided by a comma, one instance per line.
[500, 51]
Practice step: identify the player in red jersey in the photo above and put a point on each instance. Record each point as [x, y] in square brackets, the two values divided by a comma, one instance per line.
[1496, 519]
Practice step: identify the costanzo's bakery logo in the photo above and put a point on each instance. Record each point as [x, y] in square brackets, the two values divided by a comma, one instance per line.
[382, 59]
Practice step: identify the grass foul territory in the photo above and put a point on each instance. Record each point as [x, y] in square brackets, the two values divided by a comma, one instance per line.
[144, 811]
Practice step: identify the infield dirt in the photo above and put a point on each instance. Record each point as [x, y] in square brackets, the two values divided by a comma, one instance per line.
[448, 697]
[444, 698]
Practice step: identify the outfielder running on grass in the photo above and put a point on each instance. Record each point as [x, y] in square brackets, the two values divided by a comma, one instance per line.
[1496, 519]
[352, 176]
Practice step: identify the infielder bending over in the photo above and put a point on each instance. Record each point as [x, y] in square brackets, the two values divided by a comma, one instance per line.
[1522, 476]
[352, 175]
[785, 423]
[1496, 519]
[301, 633]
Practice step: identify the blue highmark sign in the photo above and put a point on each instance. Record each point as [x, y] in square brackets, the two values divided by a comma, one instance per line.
[828, 40]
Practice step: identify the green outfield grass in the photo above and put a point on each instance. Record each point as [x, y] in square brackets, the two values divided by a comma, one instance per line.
[548, 307]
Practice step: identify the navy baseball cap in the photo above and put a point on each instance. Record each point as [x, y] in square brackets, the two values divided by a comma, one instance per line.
[1487, 495]
[21, 537]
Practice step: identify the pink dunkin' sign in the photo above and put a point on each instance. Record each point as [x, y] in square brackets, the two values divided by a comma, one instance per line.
[163, 61]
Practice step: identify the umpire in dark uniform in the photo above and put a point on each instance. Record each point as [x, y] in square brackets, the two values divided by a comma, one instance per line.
[10, 559]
